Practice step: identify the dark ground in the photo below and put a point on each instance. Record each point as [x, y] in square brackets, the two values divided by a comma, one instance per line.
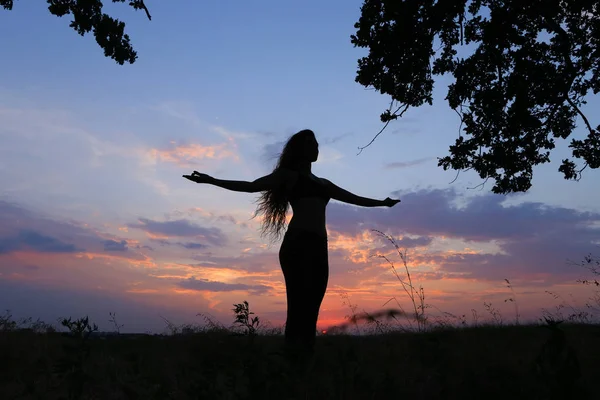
[473, 363]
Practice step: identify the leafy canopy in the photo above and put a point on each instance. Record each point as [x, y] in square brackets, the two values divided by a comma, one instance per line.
[88, 16]
[532, 64]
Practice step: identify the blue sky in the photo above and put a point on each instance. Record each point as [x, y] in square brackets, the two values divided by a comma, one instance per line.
[92, 156]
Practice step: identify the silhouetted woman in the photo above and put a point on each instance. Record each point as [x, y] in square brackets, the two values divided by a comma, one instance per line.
[303, 253]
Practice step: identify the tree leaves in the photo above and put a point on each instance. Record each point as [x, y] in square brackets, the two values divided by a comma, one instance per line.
[88, 17]
[533, 62]
[7, 4]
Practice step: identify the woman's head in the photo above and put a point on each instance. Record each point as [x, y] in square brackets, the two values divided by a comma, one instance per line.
[300, 148]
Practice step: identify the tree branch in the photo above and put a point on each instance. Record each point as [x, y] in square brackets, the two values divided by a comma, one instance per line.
[137, 5]
[143, 6]
[459, 135]
[481, 185]
[585, 120]
[579, 175]
[566, 50]
[385, 126]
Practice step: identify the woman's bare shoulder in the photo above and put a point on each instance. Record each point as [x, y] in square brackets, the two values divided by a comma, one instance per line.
[324, 181]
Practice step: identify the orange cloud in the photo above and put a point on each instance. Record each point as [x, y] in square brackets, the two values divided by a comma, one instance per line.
[188, 155]
[142, 291]
[221, 274]
[359, 247]
[157, 236]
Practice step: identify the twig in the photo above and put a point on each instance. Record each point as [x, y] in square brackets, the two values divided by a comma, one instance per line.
[143, 7]
[455, 178]
[481, 185]
[386, 124]
[459, 135]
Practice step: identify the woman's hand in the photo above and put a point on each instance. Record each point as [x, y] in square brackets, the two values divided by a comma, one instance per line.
[199, 178]
[390, 202]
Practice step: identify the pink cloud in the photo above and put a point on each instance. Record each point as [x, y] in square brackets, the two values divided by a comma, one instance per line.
[190, 155]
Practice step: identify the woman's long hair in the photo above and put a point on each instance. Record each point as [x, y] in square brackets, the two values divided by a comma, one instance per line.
[273, 203]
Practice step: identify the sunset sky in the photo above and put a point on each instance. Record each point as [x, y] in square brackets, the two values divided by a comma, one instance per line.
[96, 218]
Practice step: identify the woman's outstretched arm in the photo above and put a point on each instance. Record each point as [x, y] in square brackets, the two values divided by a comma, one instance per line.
[261, 184]
[337, 193]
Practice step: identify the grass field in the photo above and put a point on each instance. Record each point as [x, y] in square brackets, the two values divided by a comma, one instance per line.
[533, 362]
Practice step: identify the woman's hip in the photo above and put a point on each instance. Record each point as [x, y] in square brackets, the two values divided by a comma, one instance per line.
[300, 246]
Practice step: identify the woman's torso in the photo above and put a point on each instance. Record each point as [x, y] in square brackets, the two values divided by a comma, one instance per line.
[308, 196]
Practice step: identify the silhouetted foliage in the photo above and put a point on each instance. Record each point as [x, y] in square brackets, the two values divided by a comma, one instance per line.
[88, 16]
[244, 320]
[531, 66]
